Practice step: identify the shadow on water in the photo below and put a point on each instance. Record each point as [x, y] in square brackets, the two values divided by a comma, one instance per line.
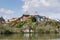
[29, 36]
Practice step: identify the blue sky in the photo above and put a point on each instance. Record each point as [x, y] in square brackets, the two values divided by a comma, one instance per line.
[15, 8]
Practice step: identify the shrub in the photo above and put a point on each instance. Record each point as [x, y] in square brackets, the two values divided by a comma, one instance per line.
[19, 25]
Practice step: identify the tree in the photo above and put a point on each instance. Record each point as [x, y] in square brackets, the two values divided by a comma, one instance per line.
[2, 20]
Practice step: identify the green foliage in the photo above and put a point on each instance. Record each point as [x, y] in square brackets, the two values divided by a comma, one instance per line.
[41, 26]
[19, 25]
[2, 19]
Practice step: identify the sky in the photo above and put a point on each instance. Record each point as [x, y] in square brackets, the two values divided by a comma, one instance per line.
[11, 8]
[15, 8]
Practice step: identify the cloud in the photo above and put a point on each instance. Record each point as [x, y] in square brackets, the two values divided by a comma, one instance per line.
[6, 11]
[44, 7]
[32, 4]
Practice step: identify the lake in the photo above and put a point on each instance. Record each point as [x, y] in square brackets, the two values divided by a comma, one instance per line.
[30, 37]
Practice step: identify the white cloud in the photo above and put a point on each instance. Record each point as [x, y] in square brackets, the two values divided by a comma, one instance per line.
[45, 7]
[29, 4]
[6, 11]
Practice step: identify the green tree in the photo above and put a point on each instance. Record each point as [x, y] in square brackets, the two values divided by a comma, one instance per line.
[2, 19]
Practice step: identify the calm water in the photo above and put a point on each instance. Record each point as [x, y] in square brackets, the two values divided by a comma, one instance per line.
[30, 37]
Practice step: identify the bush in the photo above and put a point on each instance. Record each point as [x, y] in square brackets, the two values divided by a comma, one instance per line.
[19, 25]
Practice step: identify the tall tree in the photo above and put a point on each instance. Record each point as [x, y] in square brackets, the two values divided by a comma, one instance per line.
[2, 20]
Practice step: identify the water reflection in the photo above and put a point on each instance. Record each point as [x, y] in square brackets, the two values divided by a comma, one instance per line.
[30, 37]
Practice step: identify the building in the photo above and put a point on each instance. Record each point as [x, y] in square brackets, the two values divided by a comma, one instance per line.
[24, 18]
[13, 19]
